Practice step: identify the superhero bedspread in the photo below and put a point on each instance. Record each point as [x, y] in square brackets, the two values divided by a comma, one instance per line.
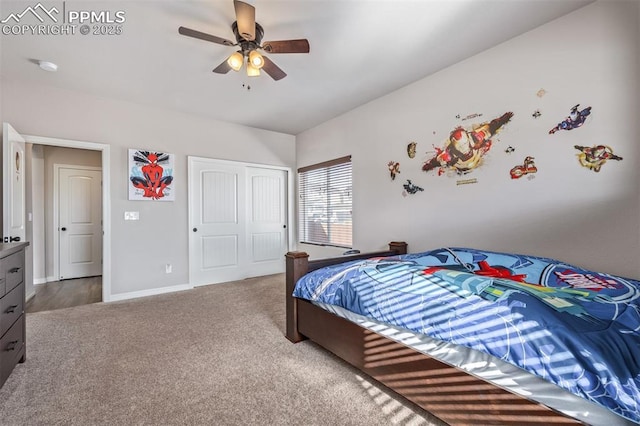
[576, 328]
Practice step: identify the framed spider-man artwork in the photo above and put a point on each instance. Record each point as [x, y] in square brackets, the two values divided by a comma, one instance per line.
[151, 175]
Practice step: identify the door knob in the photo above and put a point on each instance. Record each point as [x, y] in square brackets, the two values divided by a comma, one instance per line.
[12, 239]
[63, 229]
[195, 229]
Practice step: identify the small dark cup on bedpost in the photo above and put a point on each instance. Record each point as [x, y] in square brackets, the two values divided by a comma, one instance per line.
[400, 247]
[297, 264]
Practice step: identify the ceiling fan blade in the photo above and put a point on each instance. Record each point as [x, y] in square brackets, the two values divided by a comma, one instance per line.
[223, 68]
[287, 46]
[203, 36]
[272, 69]
[246, 18]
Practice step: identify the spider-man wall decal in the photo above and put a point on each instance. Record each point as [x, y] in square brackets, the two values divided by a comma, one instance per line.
[149, 179]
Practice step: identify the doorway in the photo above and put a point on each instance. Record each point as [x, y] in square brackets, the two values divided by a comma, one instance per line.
[65, 218]
[105, 166]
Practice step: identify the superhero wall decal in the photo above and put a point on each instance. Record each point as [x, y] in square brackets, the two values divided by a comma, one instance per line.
[150, 175]
[528, 166]
[394, 169]
[593, 158]
[465, 148]
[411, 149]
[471, 140]
[411, 188]
[575, 119]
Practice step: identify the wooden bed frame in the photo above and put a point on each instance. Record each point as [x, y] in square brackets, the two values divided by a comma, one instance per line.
[453, 395]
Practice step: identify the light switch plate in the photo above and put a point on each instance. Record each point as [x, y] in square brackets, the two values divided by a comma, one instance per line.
[131, 215]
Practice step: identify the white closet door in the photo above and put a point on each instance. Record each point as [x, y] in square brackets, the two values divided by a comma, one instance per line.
[237, 225]
[266, 222]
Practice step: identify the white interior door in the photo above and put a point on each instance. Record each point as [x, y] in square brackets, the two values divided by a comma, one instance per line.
[236, 220]
[13, 178]
[80, 222]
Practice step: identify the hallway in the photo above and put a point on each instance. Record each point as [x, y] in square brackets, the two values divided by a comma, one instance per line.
[65, 294]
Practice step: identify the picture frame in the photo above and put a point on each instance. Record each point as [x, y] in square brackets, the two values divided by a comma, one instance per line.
[151, 175]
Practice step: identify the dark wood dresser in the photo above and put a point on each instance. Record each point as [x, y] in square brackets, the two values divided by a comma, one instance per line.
[12, 301]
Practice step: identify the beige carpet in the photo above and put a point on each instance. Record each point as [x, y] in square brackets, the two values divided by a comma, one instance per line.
[214, 355]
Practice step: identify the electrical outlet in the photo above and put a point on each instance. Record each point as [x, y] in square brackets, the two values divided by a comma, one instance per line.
[168, 268]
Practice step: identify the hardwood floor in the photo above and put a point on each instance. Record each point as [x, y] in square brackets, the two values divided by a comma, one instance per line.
[65, 294]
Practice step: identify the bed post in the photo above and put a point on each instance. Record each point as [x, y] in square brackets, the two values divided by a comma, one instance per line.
[399, 247]
[297, 265]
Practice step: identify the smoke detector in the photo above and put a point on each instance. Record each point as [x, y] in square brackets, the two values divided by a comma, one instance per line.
[48, 66]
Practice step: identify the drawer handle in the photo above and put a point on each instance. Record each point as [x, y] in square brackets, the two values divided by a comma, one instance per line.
[14, 270]
[11, 309]
[12, 345]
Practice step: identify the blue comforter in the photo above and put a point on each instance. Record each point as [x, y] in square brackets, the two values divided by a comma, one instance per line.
[577, 328]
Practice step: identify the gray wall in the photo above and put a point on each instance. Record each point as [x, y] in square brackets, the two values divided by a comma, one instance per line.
[141, 249]
[590, 57]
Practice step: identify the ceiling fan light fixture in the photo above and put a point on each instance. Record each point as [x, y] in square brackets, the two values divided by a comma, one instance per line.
[235, 61]
[248, 36]
[252, 71]
[256, 59]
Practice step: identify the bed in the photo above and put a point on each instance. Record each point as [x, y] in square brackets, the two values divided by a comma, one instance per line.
[464, 376]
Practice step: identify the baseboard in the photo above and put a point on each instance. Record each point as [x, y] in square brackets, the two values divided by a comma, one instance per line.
[37, 281]
[29, 296]
[51, 279]
[150, 292]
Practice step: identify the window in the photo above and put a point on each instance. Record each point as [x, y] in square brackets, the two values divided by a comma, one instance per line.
[325, 203]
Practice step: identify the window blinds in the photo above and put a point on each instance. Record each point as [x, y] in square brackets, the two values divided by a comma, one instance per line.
[325, 192]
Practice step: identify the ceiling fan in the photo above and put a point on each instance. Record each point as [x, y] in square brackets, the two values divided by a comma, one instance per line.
[248, 34]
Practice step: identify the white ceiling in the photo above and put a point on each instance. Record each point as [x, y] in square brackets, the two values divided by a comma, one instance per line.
[360, 50]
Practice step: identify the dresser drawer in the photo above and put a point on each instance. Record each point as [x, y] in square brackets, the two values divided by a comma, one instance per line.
[11, 349]
[13, 266]
[11, 307]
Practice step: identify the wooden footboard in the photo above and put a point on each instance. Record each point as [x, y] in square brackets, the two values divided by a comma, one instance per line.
[298, 264]
[452, 395]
